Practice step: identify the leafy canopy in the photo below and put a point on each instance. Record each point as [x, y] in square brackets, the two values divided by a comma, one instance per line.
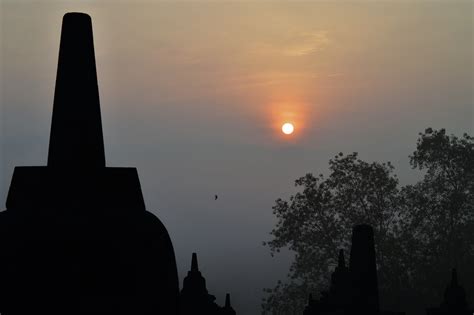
[421, 230]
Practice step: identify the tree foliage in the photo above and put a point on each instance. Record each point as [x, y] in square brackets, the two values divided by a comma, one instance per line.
[439, 212]
[421, 230]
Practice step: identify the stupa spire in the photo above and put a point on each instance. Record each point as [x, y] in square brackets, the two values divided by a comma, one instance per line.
[363, 270]
[227, 309]
[76, 131]
[194, 263]
[227, 301]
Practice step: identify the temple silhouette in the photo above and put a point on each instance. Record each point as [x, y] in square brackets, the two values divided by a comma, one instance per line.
[76, 237]
[194, 297]
[454, 302]
[353, 289]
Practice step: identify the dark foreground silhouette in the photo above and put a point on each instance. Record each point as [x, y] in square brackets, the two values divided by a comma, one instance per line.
[76, 238]
[195, 299]
[454, 302]
[354, 289]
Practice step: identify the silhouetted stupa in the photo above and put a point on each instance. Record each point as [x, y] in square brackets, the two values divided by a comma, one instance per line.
[339, 290]
[76, 237]
[455, 302]
[353, 290]
[337, 299]
[227, 309]
[363, 271]
[194, 298]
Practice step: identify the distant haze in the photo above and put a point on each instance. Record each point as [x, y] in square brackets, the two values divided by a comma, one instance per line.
[194, 94]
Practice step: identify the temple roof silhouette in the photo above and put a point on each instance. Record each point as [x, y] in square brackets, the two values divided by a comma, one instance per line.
[454, 295]
[353, 289]
[194, 283]
[76, 237]
[227, 309]
[194, 297]
[454, 302]
[76, 156]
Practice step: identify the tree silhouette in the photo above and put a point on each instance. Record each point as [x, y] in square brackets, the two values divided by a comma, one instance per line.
[438, 214]
[316, 222]
[421, 231]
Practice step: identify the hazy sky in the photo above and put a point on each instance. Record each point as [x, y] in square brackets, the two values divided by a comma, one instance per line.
[193, 94]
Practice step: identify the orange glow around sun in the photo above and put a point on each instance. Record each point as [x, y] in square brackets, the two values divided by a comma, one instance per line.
[288, 120]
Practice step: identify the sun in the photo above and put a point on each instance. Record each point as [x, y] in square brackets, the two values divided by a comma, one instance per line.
[287, 128]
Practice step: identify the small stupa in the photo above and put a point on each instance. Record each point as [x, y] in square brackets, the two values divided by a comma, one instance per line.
[454, 302]
[227, 309]
[194, 297]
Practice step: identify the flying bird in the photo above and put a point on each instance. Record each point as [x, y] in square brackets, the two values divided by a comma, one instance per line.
[215, 197]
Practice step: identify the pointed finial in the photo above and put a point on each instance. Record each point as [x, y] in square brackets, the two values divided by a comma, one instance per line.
[227, 301]
[76, 138]
[194, 263]
[341, 259]
[454, 277]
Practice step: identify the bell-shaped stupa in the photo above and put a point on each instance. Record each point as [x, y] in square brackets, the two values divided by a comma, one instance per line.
[76, 237]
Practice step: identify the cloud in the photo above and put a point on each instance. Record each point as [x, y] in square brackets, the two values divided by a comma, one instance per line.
[296, 44]
[306, 43]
